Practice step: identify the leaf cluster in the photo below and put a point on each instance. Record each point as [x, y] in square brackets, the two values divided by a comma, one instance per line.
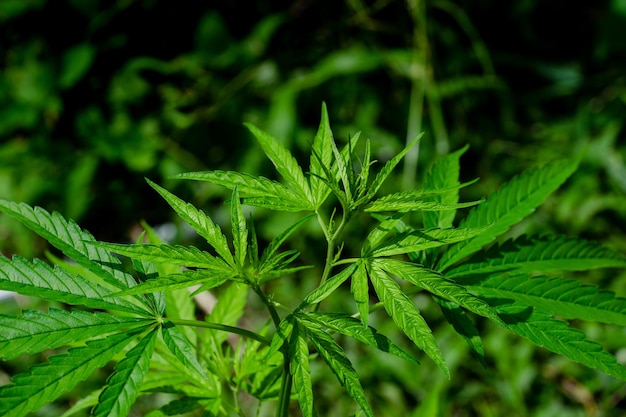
[142, 316]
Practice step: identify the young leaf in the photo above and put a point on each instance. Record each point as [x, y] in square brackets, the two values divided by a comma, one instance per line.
[564, 298]
[284, 162]
[123, 385]
[321, 159]
[507, 206]
[419, 240]
[300, 371]
[71, 240]
[406, 315]
[328, 287]
[360, 291]
[444, 174]
[43, 383]
[36, 331]
[389, 166]
[546, 253]
[558, 337]
[240, 230]
[185, 279]
[408, 201]
[339, 363]
[39, 279]
[354, 328]
[266, 257]
[188, 256]
[257, 191]
[199, 221]
[285, 328]
[229, 308]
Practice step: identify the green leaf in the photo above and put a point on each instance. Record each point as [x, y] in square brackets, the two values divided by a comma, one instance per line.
[188, 256]
[240, 230]
[339, 363]
[72, 241]
[388, 168]
[438, 285]
[354, 328]
[407, 201]
[406, 315]
[185, 279]
[39, 279]
[557, 336]
[43, 383]
[321, 159]
[267, 261]
[198, 221]
[180, 347]
[379, 232]
[444, 174]
[507, 206]
[464, 326]
[300, 370]
[546, 253]
[418, 240]
[229, 308]
[256, 191]
[285, 328]
[35, 331]
[360, 291]
[328, 287]
[564, 298]
[284, 162]
[123, 385]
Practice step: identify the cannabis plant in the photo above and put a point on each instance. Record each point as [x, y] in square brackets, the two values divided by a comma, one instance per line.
[132, 304]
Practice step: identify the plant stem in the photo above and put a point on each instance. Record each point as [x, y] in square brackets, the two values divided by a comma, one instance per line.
[224, 328]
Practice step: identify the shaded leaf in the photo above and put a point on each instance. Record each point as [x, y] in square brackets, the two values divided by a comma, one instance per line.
[565, 298]
[185, 279]
[557, 336]
[418, 240]
[360, 291]
[328, 287]
[180, 347]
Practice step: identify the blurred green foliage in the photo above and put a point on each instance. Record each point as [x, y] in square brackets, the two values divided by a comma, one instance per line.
[95, 95]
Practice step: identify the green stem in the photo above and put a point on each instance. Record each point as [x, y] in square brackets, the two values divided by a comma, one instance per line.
[224, 328]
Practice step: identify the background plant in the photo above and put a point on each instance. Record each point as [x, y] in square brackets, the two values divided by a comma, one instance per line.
[147, 323]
